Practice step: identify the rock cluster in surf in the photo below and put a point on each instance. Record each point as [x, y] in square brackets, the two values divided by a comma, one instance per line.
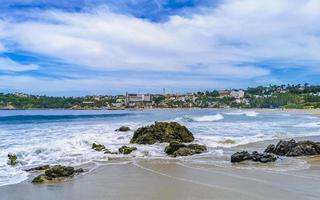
[162, 132]
[292, 148]
[179, 149]
[254, 156]
[57, 173]
[289, 148]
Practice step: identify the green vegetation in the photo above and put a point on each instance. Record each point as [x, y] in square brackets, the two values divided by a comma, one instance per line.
[273, 96]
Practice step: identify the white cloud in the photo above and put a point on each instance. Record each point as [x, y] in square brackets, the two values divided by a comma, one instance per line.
[223, 42]
[7, 64]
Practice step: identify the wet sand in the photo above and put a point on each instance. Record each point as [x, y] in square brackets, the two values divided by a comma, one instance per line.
[172, 179]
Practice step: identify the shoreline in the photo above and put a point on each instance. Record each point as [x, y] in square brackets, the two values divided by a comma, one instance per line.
[160, 179]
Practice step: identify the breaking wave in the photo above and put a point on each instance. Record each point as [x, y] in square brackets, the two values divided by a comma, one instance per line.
[206, 118]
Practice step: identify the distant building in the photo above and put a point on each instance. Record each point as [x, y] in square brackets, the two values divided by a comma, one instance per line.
[224, 93]
[138, 99]
[237, 94]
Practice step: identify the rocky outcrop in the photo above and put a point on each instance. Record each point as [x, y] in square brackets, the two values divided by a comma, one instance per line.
[123, 129]
[98, 147]
[162, 132]
[57, 173]
[179, 149]
[126, 149]
[254, 156]
[12, 159]
[292, 148]
[101, 147]
[40, 168]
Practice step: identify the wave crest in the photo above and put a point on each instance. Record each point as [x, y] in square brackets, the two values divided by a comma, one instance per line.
[206, 118]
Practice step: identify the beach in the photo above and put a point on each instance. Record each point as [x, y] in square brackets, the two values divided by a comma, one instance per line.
[177, 179]
[65, 137]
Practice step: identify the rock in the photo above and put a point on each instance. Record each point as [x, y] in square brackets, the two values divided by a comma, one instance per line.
[240, 156]
[126, 149]
[41, 179]
[179, 149]
[123, 129]
[162, 132]
[98, 147]
[293, 148]
[254, 156]
[40, 168]
[12, 159]
[57, 173]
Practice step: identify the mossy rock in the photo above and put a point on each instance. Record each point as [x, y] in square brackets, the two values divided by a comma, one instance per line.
[42, 178]
[127, 150]
[57, 173]
[162, 132]
[12, 159]
[178, 149]
[98, 147]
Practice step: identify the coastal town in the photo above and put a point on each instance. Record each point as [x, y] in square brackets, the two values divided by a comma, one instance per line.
[284, 96]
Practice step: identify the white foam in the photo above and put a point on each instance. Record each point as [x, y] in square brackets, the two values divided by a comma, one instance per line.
[308, 125]
[246, 113]
[208, 118]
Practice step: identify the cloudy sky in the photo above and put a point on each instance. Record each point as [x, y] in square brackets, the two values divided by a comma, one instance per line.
[76, 47]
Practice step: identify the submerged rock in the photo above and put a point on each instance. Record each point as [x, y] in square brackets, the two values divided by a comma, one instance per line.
[40, 168]
[179, 149]
[162, 132]
[57, 173]
[293, 148]
[127, 150]
[254, 156]
[123, 129]
[12, 159]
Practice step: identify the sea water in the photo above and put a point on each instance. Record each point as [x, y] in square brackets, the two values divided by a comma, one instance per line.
[65, 137]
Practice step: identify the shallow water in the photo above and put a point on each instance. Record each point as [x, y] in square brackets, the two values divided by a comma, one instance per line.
[65, 136]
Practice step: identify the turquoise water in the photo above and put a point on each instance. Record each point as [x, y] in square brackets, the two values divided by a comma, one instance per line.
[65, 136]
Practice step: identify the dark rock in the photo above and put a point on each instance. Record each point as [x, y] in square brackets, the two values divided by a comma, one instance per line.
[126, 149]
[40, 168]
[162, 132]
[98, 147]
[12, 159]
[178, 149]
[173, 146]
[79, 171]
[57, 173]
[184, 151]
[41, 179]
[123, 129]
[240, 156]
[293, 148]
[254, 156]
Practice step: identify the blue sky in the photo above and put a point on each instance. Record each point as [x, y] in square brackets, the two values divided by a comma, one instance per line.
[77, 47]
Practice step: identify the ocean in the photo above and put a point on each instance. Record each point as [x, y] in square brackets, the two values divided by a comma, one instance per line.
[65, 136]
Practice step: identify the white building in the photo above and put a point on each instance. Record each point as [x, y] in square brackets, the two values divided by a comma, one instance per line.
[138, 99]
[237, 94]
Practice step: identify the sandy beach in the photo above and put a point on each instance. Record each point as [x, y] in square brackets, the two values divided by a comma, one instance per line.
[160, 179]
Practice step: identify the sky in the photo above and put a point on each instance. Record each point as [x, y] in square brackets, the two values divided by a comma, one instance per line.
[82, 47]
